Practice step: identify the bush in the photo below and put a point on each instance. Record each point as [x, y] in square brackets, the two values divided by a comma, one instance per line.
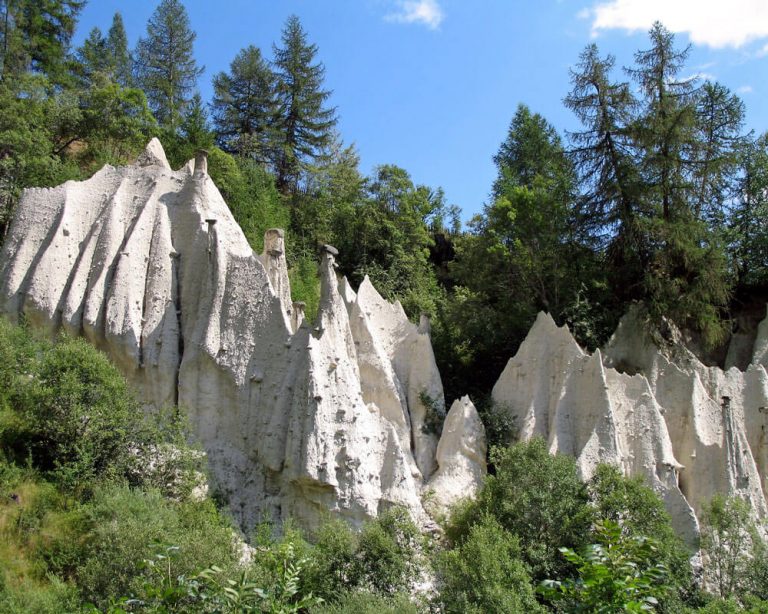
[617, 574]
[734, 551]
[66, 411]
[485, 573]
[536, 496]
[384, 558]
[124, 527]
[362, 602]
[639, 511]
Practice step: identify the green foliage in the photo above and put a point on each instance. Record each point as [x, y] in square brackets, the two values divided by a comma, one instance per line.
[617, 574]
[727, 536]
[244, 106]
[363, 602]
[115, 122]
[383, 558]
[28, 116]
[733, 606]
[538, 498]
[165, 66]
[35, 37]
[387, 550]
[385, 235]
[748, 233]
[657, 172]
[67, 412]
[305, 285]
[118, 56]
[124, 527]
[501, 428]
[435, 414]
[216, 590]
[485, 573]
[304, 124]
[521, 256]
[77, 419]
[639, 511]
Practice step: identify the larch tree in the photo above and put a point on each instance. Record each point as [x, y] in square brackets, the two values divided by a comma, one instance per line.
[166, 68]
[304, 126]
[687, 278]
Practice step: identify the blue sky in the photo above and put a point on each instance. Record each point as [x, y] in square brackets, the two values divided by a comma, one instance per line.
[431, 85]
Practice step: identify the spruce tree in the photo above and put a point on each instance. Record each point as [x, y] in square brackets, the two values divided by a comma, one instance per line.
[119, 57]
[244, 106]
[36, 35]
[165, 65]
[92, 56]
[304, 126]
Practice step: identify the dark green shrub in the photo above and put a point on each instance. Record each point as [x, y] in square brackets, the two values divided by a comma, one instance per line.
[383, 558]
[387, 552]
[619, 573]
[485, 573]
[536, 496]
[362, 602]
[335, 568]
[125, 527]
[640, 512]
[77, 420]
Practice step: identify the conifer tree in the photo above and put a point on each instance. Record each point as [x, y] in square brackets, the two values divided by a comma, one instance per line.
[165, 65]
[304, 126]
[664, 130]
[244, 106]
[92, 56]
[687, 278]
[119, 57]
[610, 210]
[36, 35]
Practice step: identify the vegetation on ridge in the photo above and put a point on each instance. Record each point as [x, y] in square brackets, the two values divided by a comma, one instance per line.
[659, 198]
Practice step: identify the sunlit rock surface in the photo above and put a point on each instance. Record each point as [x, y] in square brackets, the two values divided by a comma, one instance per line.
[297, 420]
[690, 430]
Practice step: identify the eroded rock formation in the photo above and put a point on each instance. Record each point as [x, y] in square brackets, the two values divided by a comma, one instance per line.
[150, 266]
[690, 430]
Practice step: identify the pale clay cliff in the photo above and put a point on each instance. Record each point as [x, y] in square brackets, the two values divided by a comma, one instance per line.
[690, 430]
[298, 420]
[149, 265]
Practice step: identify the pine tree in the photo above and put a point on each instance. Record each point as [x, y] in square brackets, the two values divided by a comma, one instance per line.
[305, 125]
[166, 68]
[119, 57]
[244, 106]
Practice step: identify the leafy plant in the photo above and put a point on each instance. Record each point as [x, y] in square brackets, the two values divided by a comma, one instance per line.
[617, 574]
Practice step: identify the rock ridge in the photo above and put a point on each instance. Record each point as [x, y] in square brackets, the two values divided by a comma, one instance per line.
[658, 412]
[297, 421]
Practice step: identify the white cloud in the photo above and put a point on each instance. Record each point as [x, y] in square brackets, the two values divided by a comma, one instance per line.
[701, 76]
[744, 89]
[425, 12]
[713, 23]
